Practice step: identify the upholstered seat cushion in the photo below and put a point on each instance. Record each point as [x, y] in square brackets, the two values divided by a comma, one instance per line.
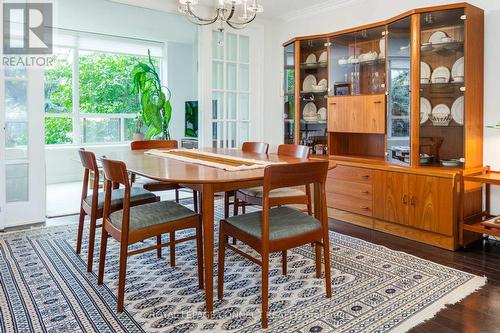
[284, 222]
[152, 214]
[117, 195]
[284, 192]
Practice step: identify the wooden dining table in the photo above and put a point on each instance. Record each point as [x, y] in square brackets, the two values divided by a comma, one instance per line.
[208, 181]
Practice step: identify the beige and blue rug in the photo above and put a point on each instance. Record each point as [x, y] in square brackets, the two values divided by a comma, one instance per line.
[44, 287]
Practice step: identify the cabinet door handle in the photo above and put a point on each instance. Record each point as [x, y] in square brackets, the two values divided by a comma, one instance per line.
[378, 102]
[365, 177]
[412, 201]
[365, 192]
[405, 200]
[365, 208]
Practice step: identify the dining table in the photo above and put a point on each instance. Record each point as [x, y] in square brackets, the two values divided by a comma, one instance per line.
[208, 181]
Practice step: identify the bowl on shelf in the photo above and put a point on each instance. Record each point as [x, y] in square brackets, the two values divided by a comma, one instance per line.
[440, 80]
[426, 159]
[440, 119]
[310, 118]
[446, 39]
[318, 88]
[343, 61]
[455, 162]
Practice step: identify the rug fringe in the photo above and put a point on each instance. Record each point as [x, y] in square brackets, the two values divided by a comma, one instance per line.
[432, 310]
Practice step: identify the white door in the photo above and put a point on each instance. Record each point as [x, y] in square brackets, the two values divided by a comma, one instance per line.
[22, 163]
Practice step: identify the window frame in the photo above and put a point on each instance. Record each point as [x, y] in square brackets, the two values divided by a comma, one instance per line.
[76, 116]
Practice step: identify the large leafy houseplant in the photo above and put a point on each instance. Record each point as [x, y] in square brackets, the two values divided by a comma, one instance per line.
[154, 99]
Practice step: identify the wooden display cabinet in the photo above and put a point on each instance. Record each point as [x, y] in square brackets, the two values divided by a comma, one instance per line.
[393, 126]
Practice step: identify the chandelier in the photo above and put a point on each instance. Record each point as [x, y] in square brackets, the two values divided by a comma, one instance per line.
[225, 13]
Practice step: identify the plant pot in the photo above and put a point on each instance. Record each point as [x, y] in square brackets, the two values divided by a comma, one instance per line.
[138, 137]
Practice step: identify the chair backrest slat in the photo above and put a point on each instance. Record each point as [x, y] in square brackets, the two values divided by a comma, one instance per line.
[88, 160]
[292, 150]
[116, 172]
[255, 147]
[154, 144]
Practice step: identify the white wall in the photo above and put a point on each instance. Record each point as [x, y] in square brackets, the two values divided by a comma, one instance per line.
[180, 63]
[360, 12]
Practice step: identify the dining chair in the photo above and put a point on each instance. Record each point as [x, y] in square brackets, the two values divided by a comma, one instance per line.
[131, 225]
[280, 228]
[93, 204]
[154, 185]
[248, 147]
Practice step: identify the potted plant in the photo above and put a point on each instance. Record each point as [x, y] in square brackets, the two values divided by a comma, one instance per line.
[154, 99]
[139, 124]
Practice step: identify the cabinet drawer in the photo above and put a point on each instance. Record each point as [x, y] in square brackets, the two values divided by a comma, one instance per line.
[350, 204]
[351, 174]
[356, 190]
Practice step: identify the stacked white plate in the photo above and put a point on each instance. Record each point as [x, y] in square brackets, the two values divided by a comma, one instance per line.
[323, 57]
[457, 110]
[458, 71]
[441, 75]
[425, 110]
[310, 112]
[425, 73]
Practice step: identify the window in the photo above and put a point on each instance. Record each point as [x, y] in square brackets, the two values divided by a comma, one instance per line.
[89, 95]
[230, 89]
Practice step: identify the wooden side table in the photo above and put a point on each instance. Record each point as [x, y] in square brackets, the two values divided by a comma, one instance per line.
[483, 222]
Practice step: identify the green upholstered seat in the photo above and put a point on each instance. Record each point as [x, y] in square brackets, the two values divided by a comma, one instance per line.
[284, 222]
[284, 192]
[136, 194]
[151, 214]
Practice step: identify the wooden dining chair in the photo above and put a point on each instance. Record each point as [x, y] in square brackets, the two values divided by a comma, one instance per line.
[157, 186]
[93, 205]
[248, 147]
[280, 228]
[131, 225]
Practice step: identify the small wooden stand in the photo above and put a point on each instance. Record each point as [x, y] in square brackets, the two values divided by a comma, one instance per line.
[483, 222]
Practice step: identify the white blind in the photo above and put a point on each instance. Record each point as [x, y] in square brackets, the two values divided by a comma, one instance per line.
[106, 43]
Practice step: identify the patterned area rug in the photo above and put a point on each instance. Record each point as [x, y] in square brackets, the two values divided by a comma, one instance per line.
[44, 287]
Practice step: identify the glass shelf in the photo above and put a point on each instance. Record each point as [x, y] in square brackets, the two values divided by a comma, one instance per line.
[442, 48]
[314, 65]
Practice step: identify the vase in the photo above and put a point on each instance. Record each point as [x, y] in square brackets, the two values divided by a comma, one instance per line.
[138, 137]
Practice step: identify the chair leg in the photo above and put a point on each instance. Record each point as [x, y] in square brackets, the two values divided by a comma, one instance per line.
[284, 261]
[309, 200]
[236, 205]
[199, 253]
[265, 288]
[90, 256]
[326, 250]
[172, 249]
[80, 231]
[195, 201]
[317, 249]
[221, 262]
[102, 256]
[158, 243]
[121, 276]
[177, 196]
[226, 205]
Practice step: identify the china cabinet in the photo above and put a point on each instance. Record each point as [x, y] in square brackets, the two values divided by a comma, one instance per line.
[404, 122]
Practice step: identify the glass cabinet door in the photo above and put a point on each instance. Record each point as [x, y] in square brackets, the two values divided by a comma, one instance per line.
[398, 101]
[357, 63]
[442, 86]
[289, 94]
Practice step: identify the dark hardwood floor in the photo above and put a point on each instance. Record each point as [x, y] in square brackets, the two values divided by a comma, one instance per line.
[479, 312]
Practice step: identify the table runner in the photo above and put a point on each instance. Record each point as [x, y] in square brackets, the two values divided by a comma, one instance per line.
[220, 161]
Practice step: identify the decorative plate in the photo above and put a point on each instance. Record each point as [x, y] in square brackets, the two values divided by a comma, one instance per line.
[322, 114]
[440, 73]
[425, 70]
[441, 110]
[311, 59]
[323, 57]
[458, 68]
[436, 37]
[310, 111]
[309, 81]
[425, 109]
[457, 110]
[323, 83]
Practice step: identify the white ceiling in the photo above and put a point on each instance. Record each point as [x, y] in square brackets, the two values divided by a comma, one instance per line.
[273, 9]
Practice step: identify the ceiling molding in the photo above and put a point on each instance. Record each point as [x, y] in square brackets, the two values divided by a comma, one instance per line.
[316, 9]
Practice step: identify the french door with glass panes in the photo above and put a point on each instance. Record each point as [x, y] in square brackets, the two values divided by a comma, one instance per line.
[22, 164]
[231, 93]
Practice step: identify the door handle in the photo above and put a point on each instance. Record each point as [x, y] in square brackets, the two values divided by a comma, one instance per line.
[365, 177]
[412, 201]
[365, 208]
[365, 192]
[405, 200]
[378, 102]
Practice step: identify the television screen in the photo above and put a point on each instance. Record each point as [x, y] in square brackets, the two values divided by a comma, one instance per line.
[191, 124]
